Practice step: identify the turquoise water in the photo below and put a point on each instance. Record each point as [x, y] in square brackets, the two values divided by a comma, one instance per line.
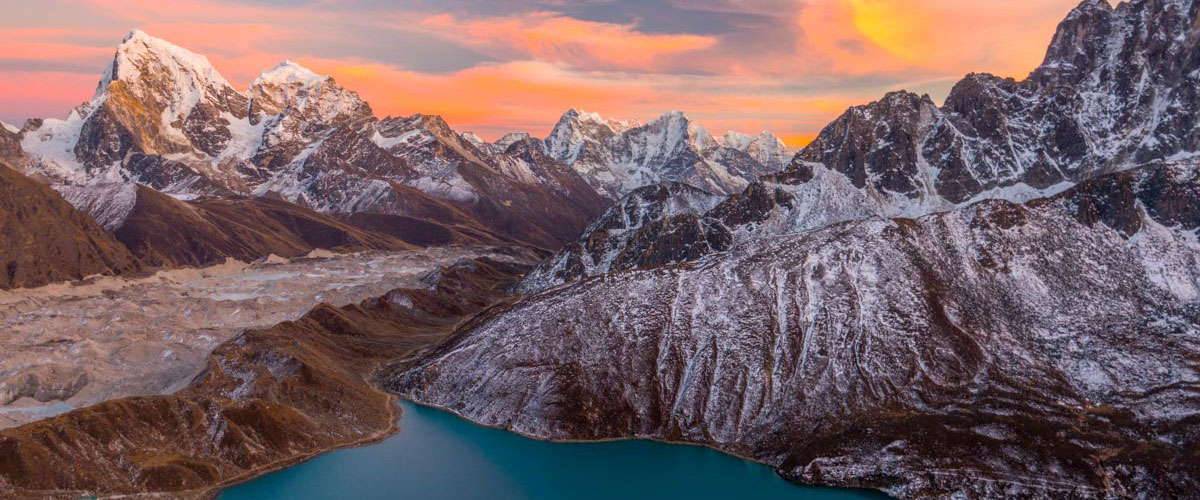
[439, 456]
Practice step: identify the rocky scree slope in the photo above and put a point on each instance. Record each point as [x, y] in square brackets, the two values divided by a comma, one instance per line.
[1045, 350]
[164, 117]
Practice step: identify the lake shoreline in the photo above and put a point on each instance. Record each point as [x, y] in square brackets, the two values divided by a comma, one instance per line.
[773, 467]
[436, 450]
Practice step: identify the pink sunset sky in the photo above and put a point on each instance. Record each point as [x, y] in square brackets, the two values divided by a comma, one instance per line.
[788, 66]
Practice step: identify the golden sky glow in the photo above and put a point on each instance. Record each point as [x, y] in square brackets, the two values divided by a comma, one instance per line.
[502, 65]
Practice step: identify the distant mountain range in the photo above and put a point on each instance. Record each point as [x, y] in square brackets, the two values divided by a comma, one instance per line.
[164, 118]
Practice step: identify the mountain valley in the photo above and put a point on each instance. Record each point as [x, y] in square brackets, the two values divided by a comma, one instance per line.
[997, 297]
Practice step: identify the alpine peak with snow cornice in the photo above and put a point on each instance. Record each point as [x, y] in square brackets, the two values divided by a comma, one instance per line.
[162, 116]
[617, 157]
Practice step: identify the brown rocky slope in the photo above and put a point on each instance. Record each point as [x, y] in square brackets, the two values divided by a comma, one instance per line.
[163, 231]
[268, 398]
[45, 239]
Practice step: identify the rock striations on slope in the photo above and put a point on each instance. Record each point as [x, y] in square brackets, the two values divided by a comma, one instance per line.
[995, 298]
[629, 235]
[1115, 92]
[1044, 350]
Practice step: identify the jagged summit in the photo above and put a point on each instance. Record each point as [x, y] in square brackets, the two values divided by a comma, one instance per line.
[289, 71]
[593, 117]
[1117, 92]
[163, 117]
[317, 99]
[618, 156]
[144, 57]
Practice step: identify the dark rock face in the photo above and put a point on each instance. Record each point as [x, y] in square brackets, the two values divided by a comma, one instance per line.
[1115, 92]
[628, 236]
[10, 145]
[1117, 88]
[999, 350]
[47, 240]
[153, 170]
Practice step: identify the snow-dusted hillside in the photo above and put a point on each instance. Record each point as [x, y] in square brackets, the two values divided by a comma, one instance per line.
[998, 350]
[1116, 91]
[997, 298]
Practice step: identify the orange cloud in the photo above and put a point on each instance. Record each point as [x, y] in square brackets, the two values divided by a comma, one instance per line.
[551, 37]
[952, 37]
[845, 52]
[528, 96]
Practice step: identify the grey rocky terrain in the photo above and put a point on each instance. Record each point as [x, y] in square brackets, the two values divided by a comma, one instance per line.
[1046, 350]
[995, 298]
[71, 345]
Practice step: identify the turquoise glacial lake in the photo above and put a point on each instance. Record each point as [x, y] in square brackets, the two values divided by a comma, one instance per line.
[439, 456]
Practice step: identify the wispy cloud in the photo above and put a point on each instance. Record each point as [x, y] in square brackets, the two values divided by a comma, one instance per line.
[555, 38]
[500, 65]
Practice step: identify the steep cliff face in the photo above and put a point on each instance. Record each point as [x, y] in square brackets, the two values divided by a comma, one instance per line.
[615, 241]
[47, 240]
[1044, 350]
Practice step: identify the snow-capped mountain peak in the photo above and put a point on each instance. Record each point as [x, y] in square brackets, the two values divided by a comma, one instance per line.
[288, 73]
[143, 62]
[317, 98]
[619, 156]
[735, 140]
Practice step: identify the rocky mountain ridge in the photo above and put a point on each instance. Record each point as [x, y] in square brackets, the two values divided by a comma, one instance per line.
[994, 138]
[165, 118]
[1043, 350]
[617, 157]
[996, 298]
